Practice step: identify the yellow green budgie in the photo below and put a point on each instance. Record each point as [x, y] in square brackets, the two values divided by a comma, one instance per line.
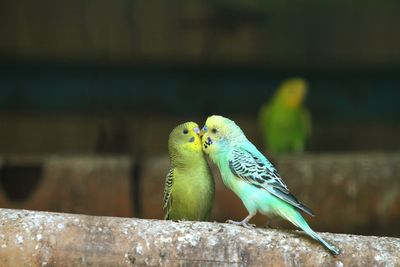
[285, 123]
[189, 185]
[250, 175]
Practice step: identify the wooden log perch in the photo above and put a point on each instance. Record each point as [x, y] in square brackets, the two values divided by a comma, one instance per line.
[29, 238]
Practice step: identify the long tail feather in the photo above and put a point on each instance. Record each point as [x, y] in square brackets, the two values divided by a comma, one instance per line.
[295, 217]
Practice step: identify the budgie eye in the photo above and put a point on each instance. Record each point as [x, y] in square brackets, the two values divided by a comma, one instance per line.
[185, 131]
[214, 130]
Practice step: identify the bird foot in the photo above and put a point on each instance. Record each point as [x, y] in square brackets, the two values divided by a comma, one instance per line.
[243, 223]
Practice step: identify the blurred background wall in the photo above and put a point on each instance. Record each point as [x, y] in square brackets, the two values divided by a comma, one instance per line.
[140, 59]
[101, 78]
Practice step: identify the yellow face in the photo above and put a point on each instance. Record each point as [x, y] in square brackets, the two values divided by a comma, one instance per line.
[213, 134]
[185, 137]
[292, 92]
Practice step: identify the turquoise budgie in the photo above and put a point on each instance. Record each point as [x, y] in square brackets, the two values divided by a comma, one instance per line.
[285, 123]
[189, 185]
[251, 176]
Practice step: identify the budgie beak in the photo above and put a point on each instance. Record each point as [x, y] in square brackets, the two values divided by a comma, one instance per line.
[197, 130]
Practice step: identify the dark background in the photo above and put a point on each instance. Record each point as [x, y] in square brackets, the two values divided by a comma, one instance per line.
[196, 58]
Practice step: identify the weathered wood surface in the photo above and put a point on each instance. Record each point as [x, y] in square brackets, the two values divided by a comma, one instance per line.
[29, 238]
[92, 185]
[349, 192]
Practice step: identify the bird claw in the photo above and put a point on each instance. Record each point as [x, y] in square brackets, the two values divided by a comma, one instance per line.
[243, 223]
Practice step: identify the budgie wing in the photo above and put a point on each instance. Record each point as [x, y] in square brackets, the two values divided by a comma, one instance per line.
[167, 199]
[250, 168]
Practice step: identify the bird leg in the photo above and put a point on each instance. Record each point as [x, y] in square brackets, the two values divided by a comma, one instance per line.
[245, 222]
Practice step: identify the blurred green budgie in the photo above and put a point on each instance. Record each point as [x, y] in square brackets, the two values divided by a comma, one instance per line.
[189, 185]
[285, 124]
[251, 176]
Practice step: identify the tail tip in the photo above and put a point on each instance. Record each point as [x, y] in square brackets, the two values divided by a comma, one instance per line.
[335, 251]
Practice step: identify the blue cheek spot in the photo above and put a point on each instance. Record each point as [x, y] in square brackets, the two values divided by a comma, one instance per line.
[191, 140]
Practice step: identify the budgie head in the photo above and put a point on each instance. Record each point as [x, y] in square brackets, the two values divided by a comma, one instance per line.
[291, 92]
[219, 133]
[184, 140]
